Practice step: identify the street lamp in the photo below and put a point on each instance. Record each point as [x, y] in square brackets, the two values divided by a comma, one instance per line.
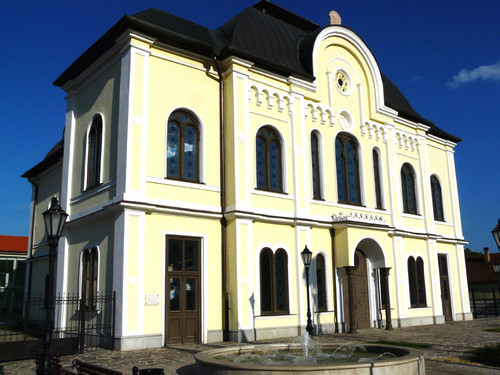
[306, 255]
[496, 235]
[54, 218]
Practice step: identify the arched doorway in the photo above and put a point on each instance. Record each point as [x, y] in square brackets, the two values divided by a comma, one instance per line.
[360, 293]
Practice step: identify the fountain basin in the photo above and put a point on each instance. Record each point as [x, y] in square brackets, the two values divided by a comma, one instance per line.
[407, 362]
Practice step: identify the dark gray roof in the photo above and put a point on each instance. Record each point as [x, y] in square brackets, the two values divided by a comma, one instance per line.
[266, 34]
[53, 156]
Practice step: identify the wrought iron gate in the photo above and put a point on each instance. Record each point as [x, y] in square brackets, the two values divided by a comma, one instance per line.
[77, 327]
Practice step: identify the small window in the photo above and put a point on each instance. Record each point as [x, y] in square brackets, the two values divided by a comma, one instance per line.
[416, 282]
[183, 149]
[377, 179]
[408, 189]
[321, 282]
[437, 200]
[315, 158]
[89, 278]
[346, 156]
[273, 282]
[268, 159]
[94, 149]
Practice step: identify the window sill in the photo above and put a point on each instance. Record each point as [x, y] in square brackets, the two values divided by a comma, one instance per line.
[274, 316]
[91, 192]
[419, 307]
[270, 193]
[182, 183]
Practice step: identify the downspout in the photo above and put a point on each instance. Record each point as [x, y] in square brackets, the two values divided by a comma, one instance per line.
[223, 221]
[334, 273]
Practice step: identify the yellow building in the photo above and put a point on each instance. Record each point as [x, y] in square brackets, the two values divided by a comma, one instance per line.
[197, 164]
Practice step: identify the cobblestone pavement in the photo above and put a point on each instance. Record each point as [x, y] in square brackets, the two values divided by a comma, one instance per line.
[450, 339]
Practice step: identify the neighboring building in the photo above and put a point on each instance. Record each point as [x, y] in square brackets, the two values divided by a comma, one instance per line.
[13, 250]
[197, 164]
[480, 272]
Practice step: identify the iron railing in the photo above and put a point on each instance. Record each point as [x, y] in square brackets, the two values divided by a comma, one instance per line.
[485, 302]
[95, 328]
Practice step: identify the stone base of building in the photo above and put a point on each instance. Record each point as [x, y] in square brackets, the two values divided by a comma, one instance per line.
[251, 335]
[464, 316]
[419, 321]
[138, 342]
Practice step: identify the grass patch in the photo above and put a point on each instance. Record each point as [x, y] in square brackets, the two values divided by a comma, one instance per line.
[488, 355]
[405, 344]
[493, 329]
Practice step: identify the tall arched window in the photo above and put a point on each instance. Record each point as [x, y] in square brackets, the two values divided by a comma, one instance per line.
[273, 282]
[437, 200]
[408, 189]
[268, 152]
[90, 272]
[346, 156]
[183, 147]
[377, 178]
[316, 179]
[321, 282]
[417, 282]
[94, 149]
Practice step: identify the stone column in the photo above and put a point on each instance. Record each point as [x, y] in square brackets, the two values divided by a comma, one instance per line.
[384, 275]
[349, 270]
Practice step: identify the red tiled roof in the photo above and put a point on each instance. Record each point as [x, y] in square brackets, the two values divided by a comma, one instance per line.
[15, 244]
[478, 270]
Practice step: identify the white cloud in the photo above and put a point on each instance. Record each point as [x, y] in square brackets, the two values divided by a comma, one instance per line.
[485, 72]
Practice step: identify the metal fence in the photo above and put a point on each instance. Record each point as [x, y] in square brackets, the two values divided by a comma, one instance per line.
[91, 328]
[485, 302]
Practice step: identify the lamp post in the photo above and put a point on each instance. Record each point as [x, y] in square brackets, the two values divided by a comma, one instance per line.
[306, 255]
[54, 218]
[496, 234]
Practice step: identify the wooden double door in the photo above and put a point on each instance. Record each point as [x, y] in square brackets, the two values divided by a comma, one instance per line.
[445, 286]
[183, 289]
[361, 306]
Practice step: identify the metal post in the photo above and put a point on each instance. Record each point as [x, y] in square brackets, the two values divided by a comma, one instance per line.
[494, 301]
[474, 304]
[350, 290]
[385, 280]
[46, 365]
[309, 326]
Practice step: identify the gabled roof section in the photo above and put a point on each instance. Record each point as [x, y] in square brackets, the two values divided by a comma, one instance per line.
[14, 244]
[266, 34]
[395, 99]
[478, 271]
[263, 38]
[276, 11]
[53, 157]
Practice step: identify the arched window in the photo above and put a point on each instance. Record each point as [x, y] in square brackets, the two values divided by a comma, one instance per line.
[437, 200]
[273, 282]
[321, 282]
[377, 179]
[90, 271]
[316, 179]
[417, 282]
[183, 147]
[94, 149]
[346, 156]
[408, 189]
[268, 151]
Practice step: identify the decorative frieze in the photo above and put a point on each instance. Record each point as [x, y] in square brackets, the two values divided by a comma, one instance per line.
[359, 217]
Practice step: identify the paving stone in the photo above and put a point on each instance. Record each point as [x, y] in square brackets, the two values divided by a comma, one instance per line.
[450, 339]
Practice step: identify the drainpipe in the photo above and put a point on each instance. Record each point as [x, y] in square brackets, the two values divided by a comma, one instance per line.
[223, 221]
[334, 273]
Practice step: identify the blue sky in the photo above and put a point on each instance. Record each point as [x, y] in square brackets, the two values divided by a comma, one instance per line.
[443, 55]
